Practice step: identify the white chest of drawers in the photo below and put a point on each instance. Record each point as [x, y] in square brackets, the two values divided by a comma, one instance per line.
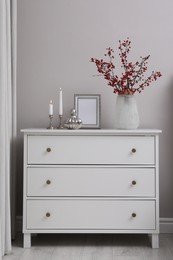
[91, 181]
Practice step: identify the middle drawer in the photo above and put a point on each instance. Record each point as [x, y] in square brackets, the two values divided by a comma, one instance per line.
[90, 181]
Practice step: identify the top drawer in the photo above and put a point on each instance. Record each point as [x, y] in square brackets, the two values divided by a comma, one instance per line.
[91, 150]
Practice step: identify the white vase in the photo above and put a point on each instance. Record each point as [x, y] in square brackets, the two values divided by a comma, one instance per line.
[126, 112]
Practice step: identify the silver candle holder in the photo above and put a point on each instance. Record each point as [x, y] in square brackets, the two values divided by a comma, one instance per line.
[50, 123]
[60, 122]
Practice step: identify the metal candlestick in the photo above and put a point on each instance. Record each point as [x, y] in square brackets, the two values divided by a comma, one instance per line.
[60, 122]
[50, 125]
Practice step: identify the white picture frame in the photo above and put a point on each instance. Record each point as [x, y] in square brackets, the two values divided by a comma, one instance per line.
[88, 108]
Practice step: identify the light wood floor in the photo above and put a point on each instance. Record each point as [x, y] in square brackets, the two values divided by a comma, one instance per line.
[92, 247]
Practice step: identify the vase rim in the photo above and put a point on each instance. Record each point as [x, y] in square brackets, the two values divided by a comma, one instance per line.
[127, 93]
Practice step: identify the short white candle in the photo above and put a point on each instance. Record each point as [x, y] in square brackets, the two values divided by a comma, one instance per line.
[51, 108]
[60, 103]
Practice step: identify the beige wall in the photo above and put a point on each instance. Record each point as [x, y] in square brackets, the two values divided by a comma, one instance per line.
[57, 38]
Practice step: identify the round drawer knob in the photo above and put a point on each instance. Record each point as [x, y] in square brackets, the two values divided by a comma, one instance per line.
[133, 215]
[133, 182]
[48, 150]
[47, 214]
[48, 182]
[133, 150]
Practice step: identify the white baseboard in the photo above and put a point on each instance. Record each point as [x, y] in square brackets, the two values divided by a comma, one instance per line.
[166, 225]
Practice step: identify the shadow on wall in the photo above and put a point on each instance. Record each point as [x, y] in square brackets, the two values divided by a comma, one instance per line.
[19, 176]
[166, 151]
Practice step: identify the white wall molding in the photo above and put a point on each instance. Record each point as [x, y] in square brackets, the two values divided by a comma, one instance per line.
[166, 225]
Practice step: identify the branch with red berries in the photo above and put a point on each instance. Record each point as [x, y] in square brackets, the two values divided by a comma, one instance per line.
[132, 78]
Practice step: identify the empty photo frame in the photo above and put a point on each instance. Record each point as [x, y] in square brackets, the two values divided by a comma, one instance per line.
[88, 109]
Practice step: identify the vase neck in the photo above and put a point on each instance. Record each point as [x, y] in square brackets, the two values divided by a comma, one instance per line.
[126, 92]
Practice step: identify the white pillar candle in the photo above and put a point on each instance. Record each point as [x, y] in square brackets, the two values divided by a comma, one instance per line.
[51, 108]
[60, 103]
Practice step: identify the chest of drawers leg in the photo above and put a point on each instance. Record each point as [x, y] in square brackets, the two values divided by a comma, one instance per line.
[101, 181]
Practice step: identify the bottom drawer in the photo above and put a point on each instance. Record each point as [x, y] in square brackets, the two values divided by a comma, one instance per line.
[90, 214]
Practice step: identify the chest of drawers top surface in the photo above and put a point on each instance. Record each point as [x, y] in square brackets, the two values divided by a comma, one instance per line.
[43, 131]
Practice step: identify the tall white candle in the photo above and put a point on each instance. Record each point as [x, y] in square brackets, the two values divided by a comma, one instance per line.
[51, 108]
[60, 103]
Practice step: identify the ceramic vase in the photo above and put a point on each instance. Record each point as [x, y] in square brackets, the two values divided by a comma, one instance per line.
[126, 112]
